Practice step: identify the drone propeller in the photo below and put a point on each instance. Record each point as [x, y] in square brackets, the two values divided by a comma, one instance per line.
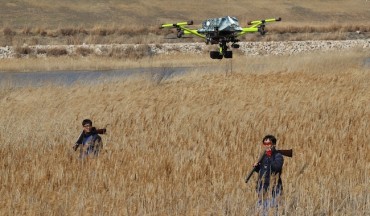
[176, 25]
[264, 21]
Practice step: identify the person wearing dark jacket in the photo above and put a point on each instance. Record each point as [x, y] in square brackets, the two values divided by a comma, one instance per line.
[269, 184]
[89, 141]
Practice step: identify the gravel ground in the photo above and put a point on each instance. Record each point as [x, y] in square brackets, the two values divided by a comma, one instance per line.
[247, 48]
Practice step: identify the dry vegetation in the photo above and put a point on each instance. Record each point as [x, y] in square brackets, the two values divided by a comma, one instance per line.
[98, 22]
[135, 35]
[183, 146]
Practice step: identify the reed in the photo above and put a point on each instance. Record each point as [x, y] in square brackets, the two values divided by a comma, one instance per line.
[182, 146]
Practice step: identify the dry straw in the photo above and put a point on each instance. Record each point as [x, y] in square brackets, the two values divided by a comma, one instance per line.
[183, 146]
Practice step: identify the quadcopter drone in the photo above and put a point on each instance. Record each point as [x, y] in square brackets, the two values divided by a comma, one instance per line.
[220, 31]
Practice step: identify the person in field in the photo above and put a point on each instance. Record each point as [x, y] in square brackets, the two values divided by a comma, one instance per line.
[269, 184]
[89, 141]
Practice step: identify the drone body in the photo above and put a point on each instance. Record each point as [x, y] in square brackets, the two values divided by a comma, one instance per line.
[220, 31]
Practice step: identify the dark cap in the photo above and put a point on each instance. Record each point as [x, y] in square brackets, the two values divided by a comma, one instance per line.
[86, 121]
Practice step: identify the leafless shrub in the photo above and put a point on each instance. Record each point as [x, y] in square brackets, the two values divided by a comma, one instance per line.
[41, 32]
[34, 41]
[8, 32]
[72, 31]
[27, 31]
[155, 30]
[143, 50]
[53, 34]
[56, 51]
[118, 52]
[41, 51]
[123, 31]
[132, 31]
[24, 50]
[354, 28]
[129, 52]
[101, 31]
[84, 51]
[68, 31]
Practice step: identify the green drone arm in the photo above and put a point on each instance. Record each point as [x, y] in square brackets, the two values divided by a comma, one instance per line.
[192, 31]
[258, 26]
[176, 25]
[182, 29]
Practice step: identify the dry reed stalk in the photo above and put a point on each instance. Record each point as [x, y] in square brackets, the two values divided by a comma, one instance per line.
[184, 145]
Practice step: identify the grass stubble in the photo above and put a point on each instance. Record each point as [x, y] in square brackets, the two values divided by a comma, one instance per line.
[183, 146]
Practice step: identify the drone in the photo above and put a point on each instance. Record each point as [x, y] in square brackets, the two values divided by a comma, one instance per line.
[221, 31]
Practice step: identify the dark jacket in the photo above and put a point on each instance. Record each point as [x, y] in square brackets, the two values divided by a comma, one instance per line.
[269, 173]
[89, 143]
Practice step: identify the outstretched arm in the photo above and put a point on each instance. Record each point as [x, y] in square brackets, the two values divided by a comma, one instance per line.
[78, 142]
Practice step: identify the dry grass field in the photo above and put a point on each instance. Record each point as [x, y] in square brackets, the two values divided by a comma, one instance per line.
[98, 22]
[90, 13]
[183, 146]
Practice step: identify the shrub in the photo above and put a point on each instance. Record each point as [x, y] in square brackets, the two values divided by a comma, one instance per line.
[41, 51]
[84, 51]
[117, 52]
[68, 31]
[142, 50]
[27, 31]
[8, 32]
[41, 32]
[23, 50]
[57, 51]
[103, 31]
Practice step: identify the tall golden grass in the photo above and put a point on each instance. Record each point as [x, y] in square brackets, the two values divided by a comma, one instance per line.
[183, 146]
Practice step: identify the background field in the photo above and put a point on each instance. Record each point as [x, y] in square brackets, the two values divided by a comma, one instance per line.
[70, 22]
[87, 13]
[183, 146]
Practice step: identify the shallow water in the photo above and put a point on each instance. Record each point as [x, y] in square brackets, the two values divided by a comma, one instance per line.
[367, 62]
[20, 79]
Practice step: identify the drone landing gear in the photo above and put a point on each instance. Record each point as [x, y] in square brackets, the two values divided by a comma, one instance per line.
[215, 55]
[223, 51]
[235, 46]
[228, 54]
[218, 55]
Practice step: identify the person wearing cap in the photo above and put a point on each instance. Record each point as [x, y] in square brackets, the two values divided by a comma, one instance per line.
[89, 141]
[269, 184]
